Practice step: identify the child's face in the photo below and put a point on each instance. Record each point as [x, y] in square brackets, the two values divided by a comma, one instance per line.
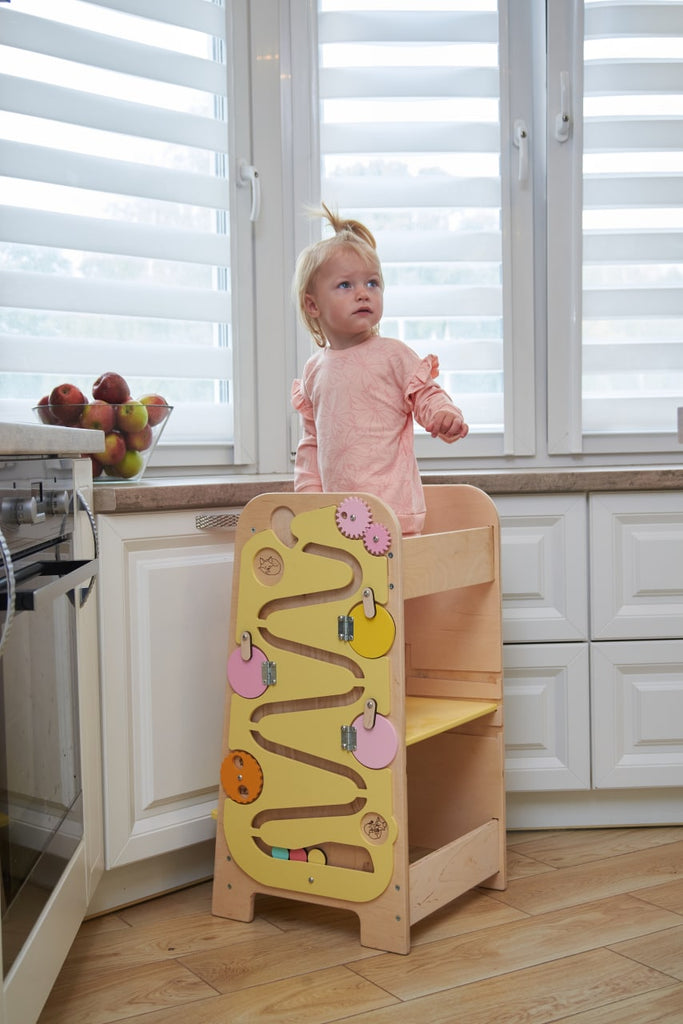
[346, 297]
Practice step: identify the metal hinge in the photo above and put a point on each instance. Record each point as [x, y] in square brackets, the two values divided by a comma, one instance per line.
[349, 737]
[345, 627]
[269, 673]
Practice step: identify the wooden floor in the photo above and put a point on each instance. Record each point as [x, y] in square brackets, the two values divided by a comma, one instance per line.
[589, 931]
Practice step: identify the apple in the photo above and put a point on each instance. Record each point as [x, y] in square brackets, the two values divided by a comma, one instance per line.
[131, 416]
[130, 465]
[65, 400]
[97, 467]
[114, 449]
[45, 412]
[156, 415]
[98, 415]
[111, 387]
[140, 440]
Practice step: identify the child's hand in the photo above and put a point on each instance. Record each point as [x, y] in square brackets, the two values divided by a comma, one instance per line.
[449, 425]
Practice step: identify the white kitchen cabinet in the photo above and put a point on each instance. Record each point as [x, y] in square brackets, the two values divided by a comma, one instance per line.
[547, 715]
[593, 725]
[544, 567]
[545, 629]
[637, 699]
[164, 614]
[637, 565]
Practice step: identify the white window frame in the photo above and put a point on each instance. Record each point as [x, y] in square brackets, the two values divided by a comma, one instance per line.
[564, 263]
[518, 23]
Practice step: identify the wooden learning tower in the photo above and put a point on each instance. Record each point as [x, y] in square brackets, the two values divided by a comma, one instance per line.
[362, 762]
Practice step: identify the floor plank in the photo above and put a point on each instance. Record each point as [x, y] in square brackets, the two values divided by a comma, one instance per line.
[589, 931]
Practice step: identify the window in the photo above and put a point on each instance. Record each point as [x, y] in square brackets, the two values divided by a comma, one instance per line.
[616, 146]
[117, 245]
[414, 140]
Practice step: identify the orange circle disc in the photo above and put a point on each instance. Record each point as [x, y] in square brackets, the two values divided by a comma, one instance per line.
[241, 777]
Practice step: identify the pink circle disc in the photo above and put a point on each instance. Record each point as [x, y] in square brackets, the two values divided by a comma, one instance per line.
[245, 676]
[376, 747]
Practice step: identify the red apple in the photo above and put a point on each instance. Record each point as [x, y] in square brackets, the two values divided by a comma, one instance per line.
[45, 412]
[140, 440]
[111, 387]
[156, 415]
[114, 449]
[97, 467]
[98, 415]
[131, 416]
[65, 400]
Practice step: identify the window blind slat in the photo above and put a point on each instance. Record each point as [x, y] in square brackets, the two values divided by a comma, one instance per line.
[436, 137]
[402, 27]
[84, 46]
[28, 290]
[365, 193]
[653, 413]
[39, 163]
[195, 14]
[438, 246]
[620, 20]
[91, 234]
[632, 302]
[632, 246]
[385, 82]
[196, 361]
[602, 134]
[440, 301]
[57, 103]
[647, 356]
[612, 77]
[613, 190]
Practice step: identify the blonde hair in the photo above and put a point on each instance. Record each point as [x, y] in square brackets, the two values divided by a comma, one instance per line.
[350, 234]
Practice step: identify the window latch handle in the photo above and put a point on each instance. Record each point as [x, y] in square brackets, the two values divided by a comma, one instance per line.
[248, 175]
[563, 120]
[520, 138]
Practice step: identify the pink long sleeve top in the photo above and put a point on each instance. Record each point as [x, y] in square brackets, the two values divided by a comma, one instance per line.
[357, 407]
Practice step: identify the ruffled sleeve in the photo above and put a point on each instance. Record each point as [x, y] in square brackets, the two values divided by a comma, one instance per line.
[306, 472]
[300, 399]
[427, 370]
[424, 395]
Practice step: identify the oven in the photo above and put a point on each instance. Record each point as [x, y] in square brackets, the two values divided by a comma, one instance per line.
[42, 588]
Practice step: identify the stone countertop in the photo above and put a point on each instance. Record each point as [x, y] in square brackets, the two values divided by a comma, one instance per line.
[167, 494]
[44, 439]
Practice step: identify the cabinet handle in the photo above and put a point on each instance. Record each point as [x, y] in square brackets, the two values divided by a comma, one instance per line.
[228, 520]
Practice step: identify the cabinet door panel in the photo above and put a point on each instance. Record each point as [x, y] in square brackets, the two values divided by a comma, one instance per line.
[546, 717]
[637, 700]
[164, 635]
[636, 565]
[544, 567]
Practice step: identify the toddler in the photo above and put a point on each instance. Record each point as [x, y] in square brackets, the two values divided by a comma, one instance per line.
[359, 394]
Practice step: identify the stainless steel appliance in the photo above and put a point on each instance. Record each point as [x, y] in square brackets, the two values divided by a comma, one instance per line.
[41, 587]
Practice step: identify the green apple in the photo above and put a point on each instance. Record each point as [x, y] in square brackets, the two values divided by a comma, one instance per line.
[131, 417]
[130, 465]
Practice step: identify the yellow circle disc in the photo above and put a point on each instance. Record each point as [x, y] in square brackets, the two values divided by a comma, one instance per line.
[373, 637]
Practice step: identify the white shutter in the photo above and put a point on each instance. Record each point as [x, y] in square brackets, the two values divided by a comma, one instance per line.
[115, 242]
[633, 216]
[410, 140]
[616, 343]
